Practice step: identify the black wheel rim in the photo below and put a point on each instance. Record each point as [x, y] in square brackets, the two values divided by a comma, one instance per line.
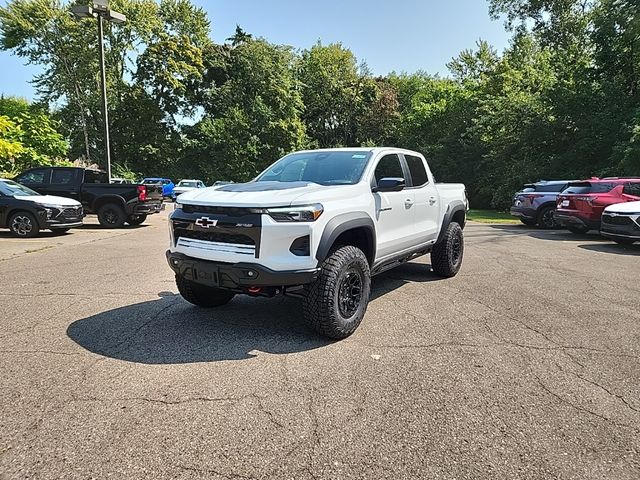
[350, 293]
[456, 249]
[547, 219]
[111, 216]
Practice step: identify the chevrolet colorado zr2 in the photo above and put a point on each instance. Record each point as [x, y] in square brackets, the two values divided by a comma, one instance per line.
[316, 225]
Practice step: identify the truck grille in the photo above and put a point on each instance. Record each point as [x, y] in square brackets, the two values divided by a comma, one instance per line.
[616, 220]
[215, 236]
[213, 210]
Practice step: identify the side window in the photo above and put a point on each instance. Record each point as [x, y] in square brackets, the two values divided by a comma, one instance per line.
[632, 189]
[95, 176]
[166, 182]
[389, 166]
[418, 171]
[63, 176]
[35, 177]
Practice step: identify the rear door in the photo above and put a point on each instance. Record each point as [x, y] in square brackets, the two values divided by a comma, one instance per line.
[426, 209]
[65, 183]
[394, 210]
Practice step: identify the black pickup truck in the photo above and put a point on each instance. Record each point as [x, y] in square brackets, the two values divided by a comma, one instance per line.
[114, 204]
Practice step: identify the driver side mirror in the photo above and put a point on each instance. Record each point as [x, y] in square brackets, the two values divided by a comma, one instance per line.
[389, 184]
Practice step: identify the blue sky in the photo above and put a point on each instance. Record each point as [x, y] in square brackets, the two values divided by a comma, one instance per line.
[400, 35]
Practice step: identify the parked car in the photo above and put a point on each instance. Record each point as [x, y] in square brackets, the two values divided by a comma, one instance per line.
[25, 212]
[581, 205]
[122, 181]
[317, 225]
[217, 183]
[114, 204]
[185, 186]
[535, 204]
[167, 185]
[621, 222]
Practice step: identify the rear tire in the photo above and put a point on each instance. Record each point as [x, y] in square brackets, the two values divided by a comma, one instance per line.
[578, 230]
[545, 218]
[335, 303]
[201, 295]
[446, 256]
[111, 215]
[24, 225]
[136, 219]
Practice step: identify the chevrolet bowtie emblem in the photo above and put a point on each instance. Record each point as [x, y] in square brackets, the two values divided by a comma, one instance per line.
[206, 222]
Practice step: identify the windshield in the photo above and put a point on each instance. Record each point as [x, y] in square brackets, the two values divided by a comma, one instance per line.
[13, 189]
[323, 167]
[151, 181]
[187, 184]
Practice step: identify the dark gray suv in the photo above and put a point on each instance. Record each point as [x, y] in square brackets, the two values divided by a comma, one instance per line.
[536, 203]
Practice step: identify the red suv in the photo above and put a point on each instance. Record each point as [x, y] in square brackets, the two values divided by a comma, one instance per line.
[581, 205]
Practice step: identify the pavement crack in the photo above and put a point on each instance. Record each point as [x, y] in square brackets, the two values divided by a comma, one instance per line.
[580, 408]
[601, 387]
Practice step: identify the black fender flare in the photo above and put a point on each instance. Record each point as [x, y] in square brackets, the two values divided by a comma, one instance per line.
[453, 208]
[343, 223]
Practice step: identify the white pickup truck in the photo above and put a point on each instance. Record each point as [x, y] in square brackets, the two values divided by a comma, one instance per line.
[317, 225]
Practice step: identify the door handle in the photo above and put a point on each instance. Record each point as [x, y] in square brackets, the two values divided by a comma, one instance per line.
[432, 200]
[408, 202]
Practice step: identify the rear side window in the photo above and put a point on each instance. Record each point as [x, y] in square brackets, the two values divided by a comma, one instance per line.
[632, 189]
[583, 188]
[416, 169]
[555, 187]
[34, 177]
[63, 176]
[95, 176]
[389, 167]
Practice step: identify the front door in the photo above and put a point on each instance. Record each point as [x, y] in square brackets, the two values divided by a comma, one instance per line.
[394, 210]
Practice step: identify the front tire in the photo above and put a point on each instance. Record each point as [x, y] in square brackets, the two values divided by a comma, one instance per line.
[624, 241]
[446, 256]
[111, 215]
[201, 295]
[335, 303]
[24, 225]
[136, 219]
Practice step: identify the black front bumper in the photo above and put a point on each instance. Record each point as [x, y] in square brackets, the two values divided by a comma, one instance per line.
[235, 275]
[631, 231]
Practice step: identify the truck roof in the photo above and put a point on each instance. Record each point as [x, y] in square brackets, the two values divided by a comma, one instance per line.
[361, 149]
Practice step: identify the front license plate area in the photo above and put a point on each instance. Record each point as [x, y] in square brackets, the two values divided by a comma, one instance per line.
[209, 275]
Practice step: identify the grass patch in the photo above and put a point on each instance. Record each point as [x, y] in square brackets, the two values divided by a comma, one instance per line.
[490, 216]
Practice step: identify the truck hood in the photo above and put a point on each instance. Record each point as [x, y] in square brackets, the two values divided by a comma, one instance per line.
[628, 207]
[50, 200]
[265, 194]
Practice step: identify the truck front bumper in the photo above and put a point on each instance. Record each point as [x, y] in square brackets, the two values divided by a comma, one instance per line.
[235, 275]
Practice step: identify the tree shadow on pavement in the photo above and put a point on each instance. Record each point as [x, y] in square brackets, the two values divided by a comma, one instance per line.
[169, 330]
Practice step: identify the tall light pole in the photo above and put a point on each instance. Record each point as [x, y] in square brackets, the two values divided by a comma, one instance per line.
[101, 11]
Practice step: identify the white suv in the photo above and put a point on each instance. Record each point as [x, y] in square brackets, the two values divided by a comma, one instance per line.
[317, 225]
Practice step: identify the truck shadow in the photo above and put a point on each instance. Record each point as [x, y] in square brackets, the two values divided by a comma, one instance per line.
[168, 330]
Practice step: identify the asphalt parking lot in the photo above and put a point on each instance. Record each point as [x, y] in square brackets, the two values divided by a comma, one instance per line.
[525, 365]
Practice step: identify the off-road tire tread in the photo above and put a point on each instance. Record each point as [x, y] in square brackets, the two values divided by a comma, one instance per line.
[201, 295]
[122, 217]
[441, 254]
[319, 308]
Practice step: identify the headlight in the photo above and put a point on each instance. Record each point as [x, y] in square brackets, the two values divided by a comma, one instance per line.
[303, 213]
[52, 210]
[177, 206]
